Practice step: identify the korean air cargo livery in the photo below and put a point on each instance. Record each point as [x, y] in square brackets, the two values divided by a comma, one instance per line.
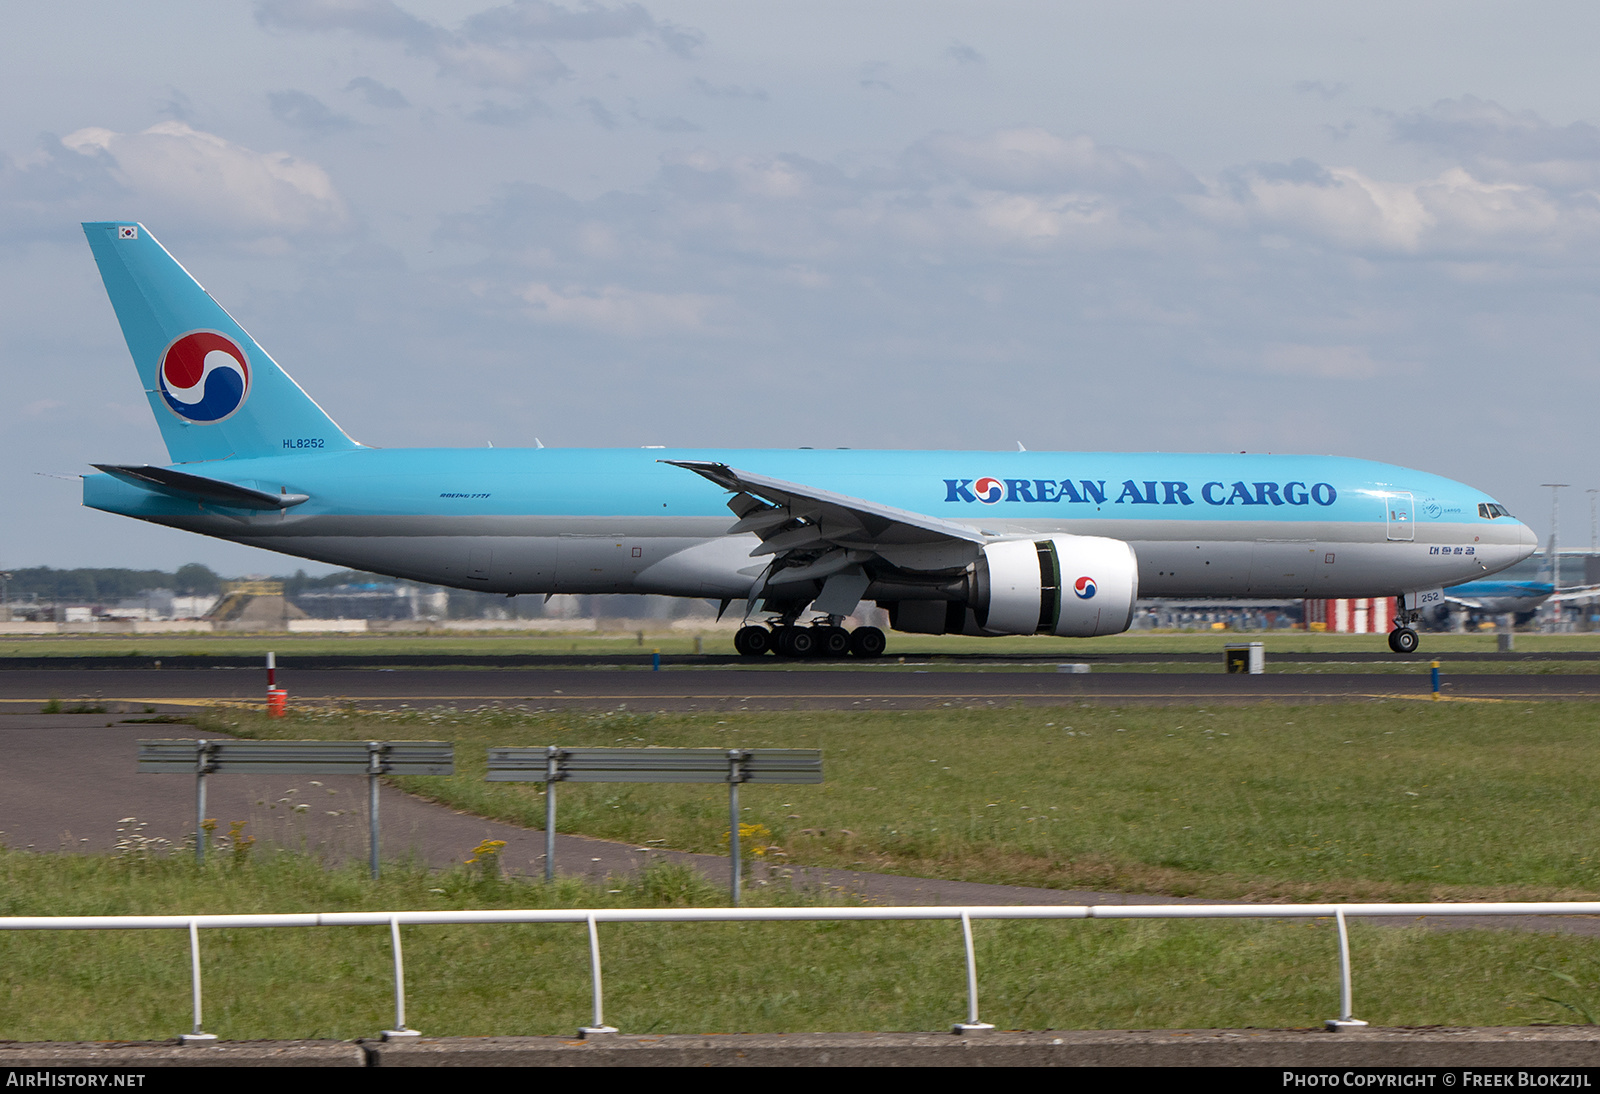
[978, 543]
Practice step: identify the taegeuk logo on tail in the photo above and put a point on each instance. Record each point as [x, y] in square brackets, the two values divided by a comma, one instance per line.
[204, 376]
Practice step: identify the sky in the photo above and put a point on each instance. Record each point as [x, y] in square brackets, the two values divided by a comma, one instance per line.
[1360, 229]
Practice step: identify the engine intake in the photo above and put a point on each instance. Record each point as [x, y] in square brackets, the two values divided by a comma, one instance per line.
[1070, 586]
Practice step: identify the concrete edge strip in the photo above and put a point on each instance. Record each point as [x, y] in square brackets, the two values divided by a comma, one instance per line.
[1543, 1047]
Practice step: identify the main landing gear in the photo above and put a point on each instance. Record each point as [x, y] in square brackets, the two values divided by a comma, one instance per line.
[824, 638]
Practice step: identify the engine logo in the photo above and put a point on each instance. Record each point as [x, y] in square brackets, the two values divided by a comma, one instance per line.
[204, 376]
[989, 491]
[1084, 587]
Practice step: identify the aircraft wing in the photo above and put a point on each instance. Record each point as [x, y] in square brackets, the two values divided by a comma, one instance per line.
[1464, 601]
[814, 533]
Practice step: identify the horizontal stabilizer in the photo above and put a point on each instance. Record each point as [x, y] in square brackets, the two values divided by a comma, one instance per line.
[1577, 592]
[181, 484]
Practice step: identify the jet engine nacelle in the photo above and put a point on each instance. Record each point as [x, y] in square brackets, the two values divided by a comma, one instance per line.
[1071, 586]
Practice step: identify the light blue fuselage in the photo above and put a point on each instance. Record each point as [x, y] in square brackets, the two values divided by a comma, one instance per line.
[257, 461]
[620, 520]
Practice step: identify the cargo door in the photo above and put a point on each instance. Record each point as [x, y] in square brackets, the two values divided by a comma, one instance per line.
[1400, 514]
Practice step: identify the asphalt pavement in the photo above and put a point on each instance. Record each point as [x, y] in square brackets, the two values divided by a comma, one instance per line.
[131, 690]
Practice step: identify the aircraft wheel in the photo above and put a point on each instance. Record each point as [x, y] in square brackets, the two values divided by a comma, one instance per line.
[800, 642]
[867, 642]
[752, 641]
[1403, 640]
[832, 641]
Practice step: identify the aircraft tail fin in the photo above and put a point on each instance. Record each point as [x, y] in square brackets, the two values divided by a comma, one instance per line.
[215, 393]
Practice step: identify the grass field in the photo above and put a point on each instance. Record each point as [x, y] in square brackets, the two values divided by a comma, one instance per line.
[1355, 801]
[1360, 801]
[702, 978]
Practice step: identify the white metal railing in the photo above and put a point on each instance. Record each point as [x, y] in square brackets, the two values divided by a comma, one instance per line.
[193, 924]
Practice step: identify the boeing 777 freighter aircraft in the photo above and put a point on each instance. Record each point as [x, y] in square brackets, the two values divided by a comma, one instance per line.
[980, 543]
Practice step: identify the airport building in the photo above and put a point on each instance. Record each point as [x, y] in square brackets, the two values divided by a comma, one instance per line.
[362, 602]
[375, 600]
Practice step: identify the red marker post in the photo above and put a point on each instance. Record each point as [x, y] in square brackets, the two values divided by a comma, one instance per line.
[277, 698]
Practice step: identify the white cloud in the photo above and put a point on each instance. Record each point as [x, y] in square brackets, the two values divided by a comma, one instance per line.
[963, 54]
[617, 310]
[1031, 159]
[1344, 207]
[479, 60]
[540, 19]
[1032, 190]
[377, 94]
[1019, 189]
[727, 91]
[948, 199]
[1321, 89]
[178, 169]
[490, 66]
[499, 47]
[1320, 362]
[1028, 219]
[1445, 215]
[1505, 143]
[1463, 204]
[307, 112]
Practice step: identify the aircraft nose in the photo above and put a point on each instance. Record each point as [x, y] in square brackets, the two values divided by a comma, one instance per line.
[1526, 540]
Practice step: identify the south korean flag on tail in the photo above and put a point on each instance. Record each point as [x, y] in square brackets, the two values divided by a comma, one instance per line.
[128, 232]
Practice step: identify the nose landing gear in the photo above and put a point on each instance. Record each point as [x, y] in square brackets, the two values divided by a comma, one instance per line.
[1403, 640]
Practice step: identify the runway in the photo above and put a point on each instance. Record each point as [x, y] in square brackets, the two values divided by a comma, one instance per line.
[289, 659]
[743, 689]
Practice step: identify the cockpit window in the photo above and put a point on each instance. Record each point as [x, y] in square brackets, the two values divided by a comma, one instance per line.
[1489, 510]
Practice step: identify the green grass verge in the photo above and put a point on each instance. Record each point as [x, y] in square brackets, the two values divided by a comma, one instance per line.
[1360, 801]
[704, 978]
[1276, 664]
[364, 645]
[1277, 642]
[721, 642]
